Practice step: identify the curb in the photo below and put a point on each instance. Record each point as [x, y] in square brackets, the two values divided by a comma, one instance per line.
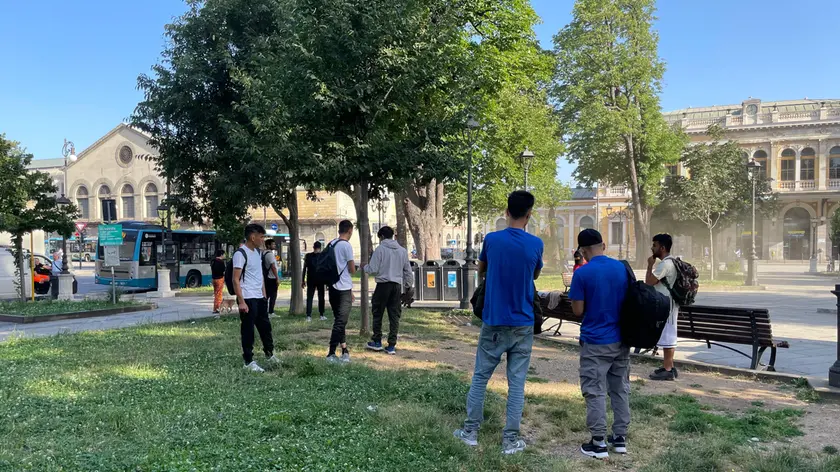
[82, 314]
[826, 393]
[760, 288]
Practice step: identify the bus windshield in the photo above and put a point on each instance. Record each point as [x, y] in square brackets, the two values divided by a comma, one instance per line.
[127, 247]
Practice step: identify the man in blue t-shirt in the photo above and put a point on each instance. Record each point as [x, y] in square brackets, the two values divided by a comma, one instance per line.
[510, 261]
[597, 294]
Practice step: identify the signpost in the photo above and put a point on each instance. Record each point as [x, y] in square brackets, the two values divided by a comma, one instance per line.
[274, 226]
[111, 237]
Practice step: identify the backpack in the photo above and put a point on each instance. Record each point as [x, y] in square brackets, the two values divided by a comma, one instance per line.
[643, 314]
[266, 269]
[229, 272]
[325, 268]
[477, 302]
[686, 285]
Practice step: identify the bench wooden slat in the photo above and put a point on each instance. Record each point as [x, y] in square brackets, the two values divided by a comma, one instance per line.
[740, 326]
[719, 332]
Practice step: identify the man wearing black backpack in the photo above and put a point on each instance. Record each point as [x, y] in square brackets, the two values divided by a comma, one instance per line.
[341, 288]
[662, 276]
[312, 284]
[597, 293]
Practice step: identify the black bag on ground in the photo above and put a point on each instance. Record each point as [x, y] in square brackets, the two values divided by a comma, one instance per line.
[477, 302]
[325, 269]
[229, 272]
[644, 313]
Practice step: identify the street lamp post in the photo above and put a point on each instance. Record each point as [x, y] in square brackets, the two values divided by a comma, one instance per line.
[69, 153]
[469, 268]
[753, 168]
[526, 158]
[622, 215]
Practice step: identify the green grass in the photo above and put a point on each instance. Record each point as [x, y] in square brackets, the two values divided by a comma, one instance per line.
[175, 397]
[54, 307]
[284, 284]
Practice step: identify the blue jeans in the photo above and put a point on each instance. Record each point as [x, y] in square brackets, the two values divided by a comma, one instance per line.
[494, 341]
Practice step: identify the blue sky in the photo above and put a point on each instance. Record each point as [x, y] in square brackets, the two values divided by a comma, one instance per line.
[69, 69]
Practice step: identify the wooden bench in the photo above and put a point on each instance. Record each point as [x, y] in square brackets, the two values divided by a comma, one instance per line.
[562, 312]
[731, 325]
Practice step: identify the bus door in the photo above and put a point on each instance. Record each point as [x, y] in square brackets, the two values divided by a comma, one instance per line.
[150, 251]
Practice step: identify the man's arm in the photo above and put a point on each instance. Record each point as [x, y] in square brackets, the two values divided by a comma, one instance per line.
[372, 267]
[305, 263]
[237, 289]
[273, 268]
[408, 274]
[651, 279]
[577, 307]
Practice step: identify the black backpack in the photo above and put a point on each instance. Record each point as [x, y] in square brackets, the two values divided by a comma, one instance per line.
[644, 313]
[685, 286]
[324, 267]
[477, 301]
[229, 272]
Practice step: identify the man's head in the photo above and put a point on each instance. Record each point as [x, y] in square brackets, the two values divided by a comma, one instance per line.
[578, 257]
[661, 247]
[385, 232]
[269, 244]
[220, 252]
[345, 228]
[590, 244]
[254, 235]
[317, 246]
[520, 204]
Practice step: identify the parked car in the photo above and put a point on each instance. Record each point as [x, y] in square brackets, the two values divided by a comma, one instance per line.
[8, 287]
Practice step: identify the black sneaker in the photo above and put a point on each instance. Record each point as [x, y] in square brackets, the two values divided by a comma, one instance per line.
[618, 443]
[662, 374]
[595, 448]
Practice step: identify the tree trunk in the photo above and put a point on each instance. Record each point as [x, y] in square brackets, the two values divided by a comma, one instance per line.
[424, 213]
[296, 303]
[18, 239]
[402, 228]
[360, 201]
[712, 252]
[554, 240]
[641, 214]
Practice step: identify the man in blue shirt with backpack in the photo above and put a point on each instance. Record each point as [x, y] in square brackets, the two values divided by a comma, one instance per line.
[597, 293]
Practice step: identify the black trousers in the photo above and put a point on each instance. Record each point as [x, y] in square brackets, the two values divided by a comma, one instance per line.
[257, 316]
[386, 296]
[271, 293]
[310, 294]
[341, 302]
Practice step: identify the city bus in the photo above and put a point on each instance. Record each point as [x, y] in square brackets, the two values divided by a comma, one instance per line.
[85, 251]
[142, 248]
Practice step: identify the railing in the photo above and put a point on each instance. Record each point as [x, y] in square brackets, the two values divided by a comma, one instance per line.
[807, 185]
[787, 185]
[833, 112]
[834, 183]
[617, 191]
[759, 119]
[799, 116]
[736, 120]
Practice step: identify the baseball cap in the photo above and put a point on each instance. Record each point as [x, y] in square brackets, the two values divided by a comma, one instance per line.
[589, 237]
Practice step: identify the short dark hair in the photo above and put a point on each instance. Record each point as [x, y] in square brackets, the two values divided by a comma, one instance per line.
[253, 228]
[220, 252]
[317, 245]
[345, 226]
[519, 203]
[664, 240]
[269, 243]
[385, 232]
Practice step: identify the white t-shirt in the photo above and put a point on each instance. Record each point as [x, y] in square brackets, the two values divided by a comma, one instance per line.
[343, 254]
[269, 259]
[667, 271]
[252, 283]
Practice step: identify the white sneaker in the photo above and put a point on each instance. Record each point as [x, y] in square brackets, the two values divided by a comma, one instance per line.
[309, 319]
[273, 360]
[323, 318]
[253, 367]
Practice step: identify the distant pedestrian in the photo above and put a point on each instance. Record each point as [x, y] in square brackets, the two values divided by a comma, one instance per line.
[272, 277]
[597, 294]
[663, 275]
[579, 261]
[312, 284]
[217, 271]
[389, 264]
[341, 292]
[250, 295]
[510, 261]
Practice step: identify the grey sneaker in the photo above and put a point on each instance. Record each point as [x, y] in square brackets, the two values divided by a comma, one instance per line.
[309, 319]
[470, 438]
[662, 374]
[345, 356]
[323, 318]
[512, 446]
[332, 358]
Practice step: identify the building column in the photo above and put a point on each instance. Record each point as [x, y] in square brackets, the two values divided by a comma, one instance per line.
[822, 156]
[572, 242]
[796, 177]
[772, 161]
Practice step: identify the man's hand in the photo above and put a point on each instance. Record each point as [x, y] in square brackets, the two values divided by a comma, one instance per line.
[303, 285]
[243, 307]
[651, 261]
[352, 297]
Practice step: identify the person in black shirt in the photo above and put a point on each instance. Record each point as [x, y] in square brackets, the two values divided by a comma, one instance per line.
[217, 269]
[309, 270]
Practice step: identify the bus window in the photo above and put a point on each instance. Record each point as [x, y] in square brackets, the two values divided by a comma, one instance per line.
[148, 257]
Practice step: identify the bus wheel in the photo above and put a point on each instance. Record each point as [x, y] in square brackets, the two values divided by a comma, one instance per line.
[87, 257]
[193, 279]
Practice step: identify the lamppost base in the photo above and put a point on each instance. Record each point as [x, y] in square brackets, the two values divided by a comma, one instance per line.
[65, 287]
[468, 284]
[834, 374]
[813, 268]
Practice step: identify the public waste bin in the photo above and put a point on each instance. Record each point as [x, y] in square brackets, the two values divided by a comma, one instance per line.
[452, 283]
[415, 270]
[431, 287]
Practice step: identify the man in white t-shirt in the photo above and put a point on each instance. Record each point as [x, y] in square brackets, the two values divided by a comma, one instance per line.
[250, 295]
[272, 277]
[341, 292]
[661, 276]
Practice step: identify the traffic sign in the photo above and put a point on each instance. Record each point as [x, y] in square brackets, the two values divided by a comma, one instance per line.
[110, 235]
[274, 226]
[112, 256]
[81, 227]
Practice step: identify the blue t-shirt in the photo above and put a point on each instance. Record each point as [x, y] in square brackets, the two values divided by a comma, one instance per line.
[601, 285]
[512, 257]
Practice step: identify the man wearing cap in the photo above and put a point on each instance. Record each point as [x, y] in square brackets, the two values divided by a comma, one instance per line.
[597, 293]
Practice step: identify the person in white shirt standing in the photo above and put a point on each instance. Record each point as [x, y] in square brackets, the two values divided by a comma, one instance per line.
[272, 277]
[662, 276]
[341, 292]
[249, 286]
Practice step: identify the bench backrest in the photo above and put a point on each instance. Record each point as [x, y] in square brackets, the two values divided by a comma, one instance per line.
[562, 311]
[725, 324]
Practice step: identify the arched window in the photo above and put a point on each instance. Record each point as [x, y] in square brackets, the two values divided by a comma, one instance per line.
[127, 195]
[151, 201]
[761, 158]
[104, 193]
[834, 164]
[587, 223]
[319, 236]
[561, 234]
[82, 203]
[501, 224]
[806, 164]
[788, 165]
